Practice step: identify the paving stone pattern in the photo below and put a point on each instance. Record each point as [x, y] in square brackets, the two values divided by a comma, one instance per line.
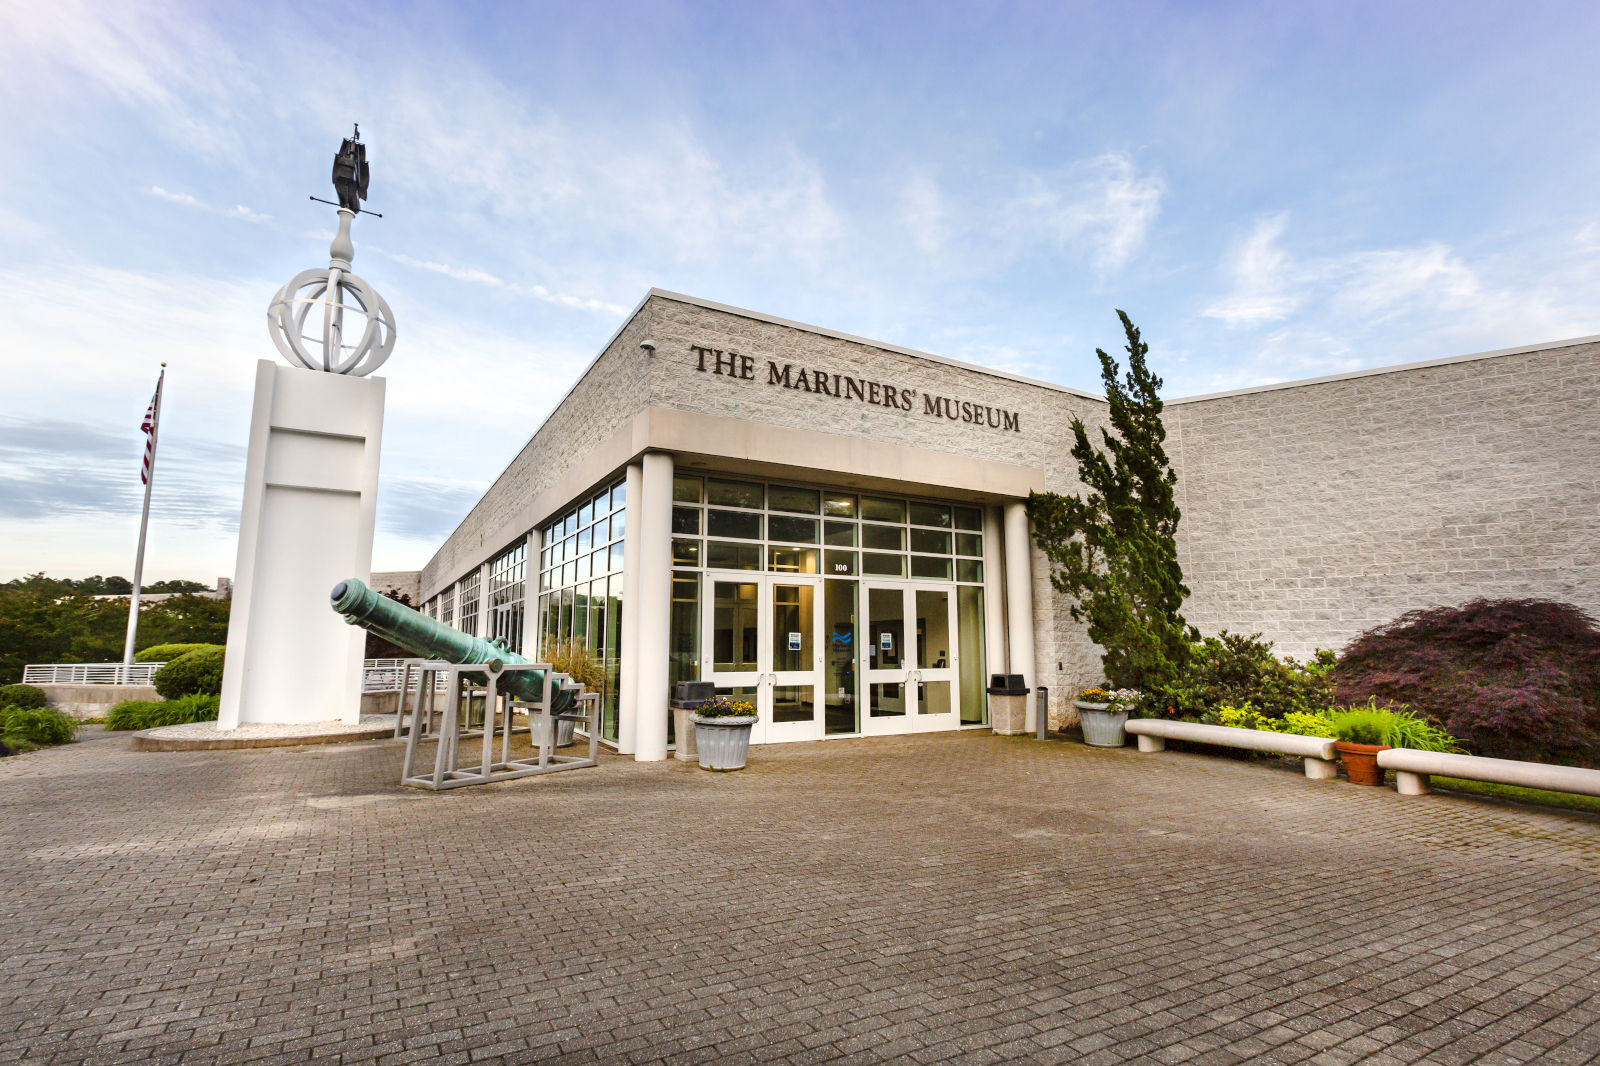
[944, 898]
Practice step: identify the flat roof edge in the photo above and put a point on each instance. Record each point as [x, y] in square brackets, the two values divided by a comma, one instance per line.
[822, 331]
[1374, 371]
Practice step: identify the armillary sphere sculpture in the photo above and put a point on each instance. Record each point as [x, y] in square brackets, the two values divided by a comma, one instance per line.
[340, 294]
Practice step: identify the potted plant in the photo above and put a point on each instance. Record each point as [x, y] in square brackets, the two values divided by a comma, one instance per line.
[1358, 737]
[722, 733]
[1103, 717]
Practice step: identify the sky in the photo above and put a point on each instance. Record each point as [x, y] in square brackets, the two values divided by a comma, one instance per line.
[1273, 191]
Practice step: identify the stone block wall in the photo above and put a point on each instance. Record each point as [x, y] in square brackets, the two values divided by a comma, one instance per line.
[1314, 512]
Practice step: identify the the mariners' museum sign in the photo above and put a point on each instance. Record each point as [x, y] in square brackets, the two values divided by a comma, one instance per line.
[846, 387]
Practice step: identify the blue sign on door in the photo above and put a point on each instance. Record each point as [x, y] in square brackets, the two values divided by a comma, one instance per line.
[794, 641]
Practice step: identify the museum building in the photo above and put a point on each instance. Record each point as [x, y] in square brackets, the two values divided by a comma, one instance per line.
[834, 529]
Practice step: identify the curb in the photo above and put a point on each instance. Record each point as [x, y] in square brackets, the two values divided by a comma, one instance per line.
[143, 741]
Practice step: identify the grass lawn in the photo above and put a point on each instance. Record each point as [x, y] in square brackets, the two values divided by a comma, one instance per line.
[1538, 796]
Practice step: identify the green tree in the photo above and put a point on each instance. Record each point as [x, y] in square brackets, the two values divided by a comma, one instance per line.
[1114, 551]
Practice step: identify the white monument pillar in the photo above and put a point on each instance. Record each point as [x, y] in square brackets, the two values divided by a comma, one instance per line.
[1019, 601]
[628, 701]
[310, 492]
[653, 601]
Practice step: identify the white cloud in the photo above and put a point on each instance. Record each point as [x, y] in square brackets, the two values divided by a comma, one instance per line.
[1105, 203]
[924, 214]
[538, 292]
[1262, 278]
[239, 211]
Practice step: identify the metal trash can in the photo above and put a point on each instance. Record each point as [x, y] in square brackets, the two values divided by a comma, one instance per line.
[1008, 705]
[686, 696]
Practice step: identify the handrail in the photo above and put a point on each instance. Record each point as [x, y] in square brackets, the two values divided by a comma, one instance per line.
[90, 673]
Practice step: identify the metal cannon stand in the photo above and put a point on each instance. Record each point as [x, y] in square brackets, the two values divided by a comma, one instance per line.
[464, 684]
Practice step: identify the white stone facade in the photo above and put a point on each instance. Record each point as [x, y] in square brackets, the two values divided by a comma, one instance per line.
[1311, 510]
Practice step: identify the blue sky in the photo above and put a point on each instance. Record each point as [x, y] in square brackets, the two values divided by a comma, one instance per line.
[1273, 191]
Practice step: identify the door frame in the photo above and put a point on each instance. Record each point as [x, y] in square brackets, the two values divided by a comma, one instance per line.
[910, 674]
[765, 679]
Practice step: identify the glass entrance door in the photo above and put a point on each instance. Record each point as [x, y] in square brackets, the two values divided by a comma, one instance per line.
[909, 664]
[766, 649]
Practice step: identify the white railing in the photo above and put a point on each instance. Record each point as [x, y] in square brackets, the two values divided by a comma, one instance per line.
[90, 674]
[383, 675]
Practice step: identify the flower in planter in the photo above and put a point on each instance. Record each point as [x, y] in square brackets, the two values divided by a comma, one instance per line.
[723, 707]
[1094, 695]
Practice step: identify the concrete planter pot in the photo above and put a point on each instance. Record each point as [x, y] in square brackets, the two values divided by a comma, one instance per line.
[723, 743]
[1361, 762]
[1102, 728]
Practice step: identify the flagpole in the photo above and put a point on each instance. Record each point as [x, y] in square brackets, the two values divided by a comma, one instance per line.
[144, 525]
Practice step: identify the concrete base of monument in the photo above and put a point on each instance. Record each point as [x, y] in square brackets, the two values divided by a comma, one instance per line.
[205, 736]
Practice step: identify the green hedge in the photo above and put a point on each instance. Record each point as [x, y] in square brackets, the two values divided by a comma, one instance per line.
[22, 696]
[165, 653]
[197, 672]
[36, 725]
[142, 714]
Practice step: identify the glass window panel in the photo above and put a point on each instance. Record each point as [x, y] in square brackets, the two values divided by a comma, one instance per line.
[969, 637]
[883, 510]
[570, 526]
[721, 555]
[969, 518]
[793, 703]
[886, 629]
[741, 524]
[686, 520]
[836, 505]
[839, 564]
[733, 493]
[800, 501]
[839, 663]
[934, 566]
[933, 630]
[883, 565]
[602, 505]
[609, 717]
[583, 569]
[619, 525]
[883, 538]
[969, 544]
[685, 488]
[616, 556]
[544, 559]
[733, 636]
[792, 560]
[597, 563]
[931, 541]
[619, 495]
[683, 638]
[930, 514]
[544, 581]
[585, 513]
[580, 616]
[783, 527]
[685, 552]
[583, 539]
[564, 620]
[933, 697]
[569, 548]
[792, 623]
[969, 570]
[839, 534]
[569, 573]
[886, 700]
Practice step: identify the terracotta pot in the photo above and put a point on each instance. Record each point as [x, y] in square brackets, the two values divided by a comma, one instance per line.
[1361, 762]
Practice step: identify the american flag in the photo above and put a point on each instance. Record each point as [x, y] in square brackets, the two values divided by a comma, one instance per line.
[148, 427]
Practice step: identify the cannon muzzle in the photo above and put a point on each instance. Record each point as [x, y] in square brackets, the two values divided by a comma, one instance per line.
[422, 636]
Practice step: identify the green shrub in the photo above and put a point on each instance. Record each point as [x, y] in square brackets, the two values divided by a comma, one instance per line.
[22, 696]
[1232, 670]
[1359, 727]
[166, 653]
[37, 725]
[1396, 726]
[141, 714]
[191, 673]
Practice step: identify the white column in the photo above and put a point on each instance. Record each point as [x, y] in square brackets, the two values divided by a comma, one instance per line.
[627, 703]
[1019, 600]
[654, 604]
[994, 592]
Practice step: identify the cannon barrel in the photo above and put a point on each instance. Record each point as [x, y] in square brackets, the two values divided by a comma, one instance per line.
[422, 636]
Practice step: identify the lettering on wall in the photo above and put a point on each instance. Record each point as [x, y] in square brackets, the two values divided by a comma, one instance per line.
[894, 395]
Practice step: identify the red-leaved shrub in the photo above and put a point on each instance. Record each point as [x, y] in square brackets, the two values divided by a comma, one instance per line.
[1516, 679]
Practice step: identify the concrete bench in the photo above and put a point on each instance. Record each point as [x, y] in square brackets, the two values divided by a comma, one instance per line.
[1414, 768]
[1153, 734]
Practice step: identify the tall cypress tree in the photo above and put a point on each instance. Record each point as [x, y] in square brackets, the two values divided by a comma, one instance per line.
[1115, 551]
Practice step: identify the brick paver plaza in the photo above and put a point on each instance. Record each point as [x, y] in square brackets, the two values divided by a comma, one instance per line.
[942, 898]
